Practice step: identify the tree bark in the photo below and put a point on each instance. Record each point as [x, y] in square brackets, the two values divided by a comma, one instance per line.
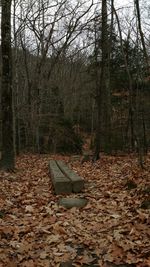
[104, 99]
[8, 154]
[136, 2]
[105, 78]
[131, 123]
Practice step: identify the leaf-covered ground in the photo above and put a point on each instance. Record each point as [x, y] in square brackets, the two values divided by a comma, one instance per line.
[112, 230]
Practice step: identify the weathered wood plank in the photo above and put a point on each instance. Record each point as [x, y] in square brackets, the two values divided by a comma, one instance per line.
[62, 184]
[77, 181]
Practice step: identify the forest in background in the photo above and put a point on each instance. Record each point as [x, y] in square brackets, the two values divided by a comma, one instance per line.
[75, 91]
[77, 69]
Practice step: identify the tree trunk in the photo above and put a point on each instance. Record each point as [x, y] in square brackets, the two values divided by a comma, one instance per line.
[98, 101]
[8, 155]
[136, 2]
[105, 79]
[103, 94]
[131, 123]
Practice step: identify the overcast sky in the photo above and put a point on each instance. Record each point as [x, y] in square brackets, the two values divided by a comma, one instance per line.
[122, 3]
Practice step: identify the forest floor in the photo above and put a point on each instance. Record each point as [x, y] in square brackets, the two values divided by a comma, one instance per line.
[113, 229]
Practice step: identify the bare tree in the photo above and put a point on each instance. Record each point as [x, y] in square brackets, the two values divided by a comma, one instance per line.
[137, 6]
[136, 122]
[54, 28]
[8, 155]
[103, 97]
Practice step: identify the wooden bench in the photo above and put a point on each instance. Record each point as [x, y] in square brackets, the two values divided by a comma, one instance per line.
[64, 179]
